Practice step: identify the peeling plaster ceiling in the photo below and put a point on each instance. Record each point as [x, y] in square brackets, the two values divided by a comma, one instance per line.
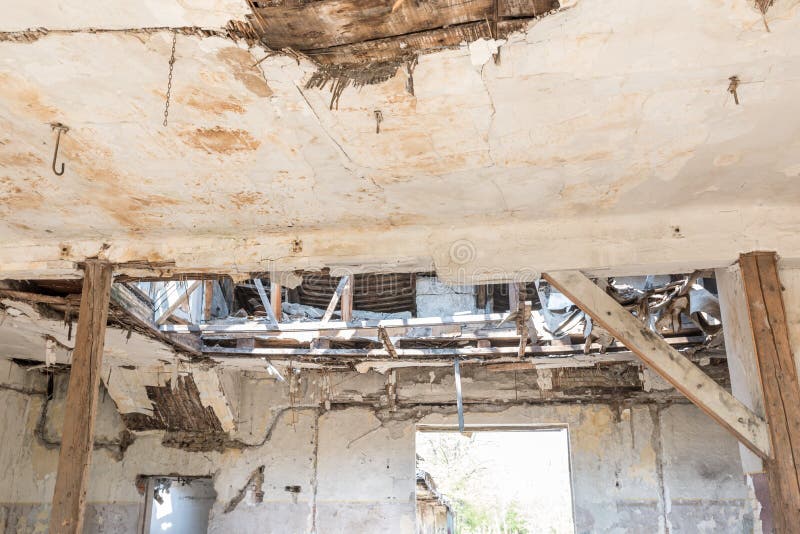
[604, 138]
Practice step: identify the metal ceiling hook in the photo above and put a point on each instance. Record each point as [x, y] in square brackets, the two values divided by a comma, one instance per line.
[61, 128]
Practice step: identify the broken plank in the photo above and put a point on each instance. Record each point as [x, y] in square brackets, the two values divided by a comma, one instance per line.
[674, 367]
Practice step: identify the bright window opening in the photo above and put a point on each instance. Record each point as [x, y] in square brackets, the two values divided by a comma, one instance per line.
[178, 505]
[493, 481]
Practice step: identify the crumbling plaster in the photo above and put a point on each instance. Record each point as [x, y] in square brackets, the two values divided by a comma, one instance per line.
[594, 117]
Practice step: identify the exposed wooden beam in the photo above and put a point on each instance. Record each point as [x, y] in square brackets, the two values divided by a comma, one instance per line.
[161, 319]
[265, 301]
[778, 371]
[670, 364]
[344, 281]
[39, 298]
[77, 441]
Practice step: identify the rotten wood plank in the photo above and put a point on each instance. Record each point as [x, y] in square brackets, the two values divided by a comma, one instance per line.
[666, 361]
[303, 25]
[779, 381]
[310, 25]
[77, 442]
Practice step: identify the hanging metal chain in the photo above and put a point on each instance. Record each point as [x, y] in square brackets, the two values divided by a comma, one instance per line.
[169, 82]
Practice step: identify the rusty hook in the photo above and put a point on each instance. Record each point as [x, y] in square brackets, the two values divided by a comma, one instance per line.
[61, 128]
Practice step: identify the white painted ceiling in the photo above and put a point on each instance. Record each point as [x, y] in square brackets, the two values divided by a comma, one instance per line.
[604, 138]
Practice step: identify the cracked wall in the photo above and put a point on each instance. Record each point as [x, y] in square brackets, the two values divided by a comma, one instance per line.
[635, 468]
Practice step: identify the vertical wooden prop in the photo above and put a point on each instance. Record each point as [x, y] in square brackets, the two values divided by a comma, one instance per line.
[778, 372]
[77, 441]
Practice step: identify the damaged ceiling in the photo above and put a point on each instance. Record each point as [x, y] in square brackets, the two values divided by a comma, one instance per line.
[604, 137]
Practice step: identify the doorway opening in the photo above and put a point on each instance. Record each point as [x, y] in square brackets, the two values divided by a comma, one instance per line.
[493, 480]
[177, 505]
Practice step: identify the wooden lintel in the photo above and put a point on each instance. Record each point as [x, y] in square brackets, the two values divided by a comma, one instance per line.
[77, 441]
[670, 364]
[781, 389]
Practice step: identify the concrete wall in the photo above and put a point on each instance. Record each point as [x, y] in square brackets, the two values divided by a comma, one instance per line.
[437, 299]
[644, 468]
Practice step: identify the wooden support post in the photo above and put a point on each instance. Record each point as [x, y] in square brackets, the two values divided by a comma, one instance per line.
[208, 299]
[337, 294]
[779, 383]
[77, 441]
[347, 300]
[265, 301]
[276, 294]
[670, 364]
[513, 296]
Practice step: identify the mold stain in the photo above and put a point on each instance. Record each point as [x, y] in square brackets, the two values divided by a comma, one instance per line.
[220, 140]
